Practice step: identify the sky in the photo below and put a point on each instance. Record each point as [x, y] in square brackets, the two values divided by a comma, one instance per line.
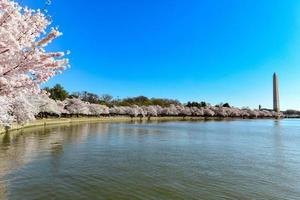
[190, 50]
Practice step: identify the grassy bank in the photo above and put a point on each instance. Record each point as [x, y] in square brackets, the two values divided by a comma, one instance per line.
[61, 121]
[58, 121]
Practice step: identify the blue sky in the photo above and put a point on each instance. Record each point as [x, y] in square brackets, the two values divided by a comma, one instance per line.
[215, 51]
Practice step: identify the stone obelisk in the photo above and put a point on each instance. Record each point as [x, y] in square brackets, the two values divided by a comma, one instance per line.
[276, 106]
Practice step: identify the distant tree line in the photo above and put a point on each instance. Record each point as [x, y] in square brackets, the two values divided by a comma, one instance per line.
[58, 92]
[203, 104]
[41, 106]
[25, 108]
[292, 112]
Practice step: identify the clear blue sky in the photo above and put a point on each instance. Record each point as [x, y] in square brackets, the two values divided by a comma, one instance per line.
[216, 51]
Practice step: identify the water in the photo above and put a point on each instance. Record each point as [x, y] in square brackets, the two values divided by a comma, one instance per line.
[250, 159]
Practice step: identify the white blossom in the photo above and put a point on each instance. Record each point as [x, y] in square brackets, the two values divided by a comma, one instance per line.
[77, 107]
[23, 110]
[6, 116]
[44, 104]
[24, 62]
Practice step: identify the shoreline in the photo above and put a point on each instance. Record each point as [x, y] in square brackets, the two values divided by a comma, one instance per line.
[60, 121]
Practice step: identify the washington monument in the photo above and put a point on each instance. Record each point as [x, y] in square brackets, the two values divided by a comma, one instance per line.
[276, 106]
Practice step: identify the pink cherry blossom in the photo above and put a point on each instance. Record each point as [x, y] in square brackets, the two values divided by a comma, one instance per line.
[24, 62]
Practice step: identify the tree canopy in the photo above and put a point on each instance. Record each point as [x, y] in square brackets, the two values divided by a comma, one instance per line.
[57, 92]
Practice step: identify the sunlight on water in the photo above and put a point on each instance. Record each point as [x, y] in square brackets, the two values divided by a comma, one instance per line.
[249, 159]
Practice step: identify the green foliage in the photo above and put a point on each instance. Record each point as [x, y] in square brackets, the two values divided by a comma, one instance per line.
[226, 105]
[144, 101]
[292, 112]
[57, 92]
[89, 97]
[106, 99]
[196, 104]
[140, 101]
[164, 102]
[74, 95]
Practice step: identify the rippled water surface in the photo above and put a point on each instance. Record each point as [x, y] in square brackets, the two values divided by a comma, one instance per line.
[250, 159]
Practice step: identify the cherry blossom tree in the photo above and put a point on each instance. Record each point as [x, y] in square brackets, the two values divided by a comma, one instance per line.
[208, 112]
[77, 107]
[5, 112]
[98, 110]
[61, 106]
[23, 110]
[132, 111]
[150, 111]
[24, 62]
[118, 110]
[234, 112]
[170, 111]
[183, 111]
[45, 105]
[253, 113]
[196, 111]
[141, 112]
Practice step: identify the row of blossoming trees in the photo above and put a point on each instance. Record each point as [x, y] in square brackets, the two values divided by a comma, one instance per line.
[26, 108]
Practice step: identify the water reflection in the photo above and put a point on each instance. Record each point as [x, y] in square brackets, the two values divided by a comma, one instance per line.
[21, 147]
[170, 160]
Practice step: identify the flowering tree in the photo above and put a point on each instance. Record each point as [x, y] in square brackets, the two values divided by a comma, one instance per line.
[45, 105]
[132, 111]
[150, 111]
[24, 62]
[77, 107]
[5, 117]
[170, 111]
[196, 111]
[23, 110]
[97, 110]
[61, 106]
[208, 112]
[117, 110]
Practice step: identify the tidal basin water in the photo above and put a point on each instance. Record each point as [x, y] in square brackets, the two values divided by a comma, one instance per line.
[242, 159]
